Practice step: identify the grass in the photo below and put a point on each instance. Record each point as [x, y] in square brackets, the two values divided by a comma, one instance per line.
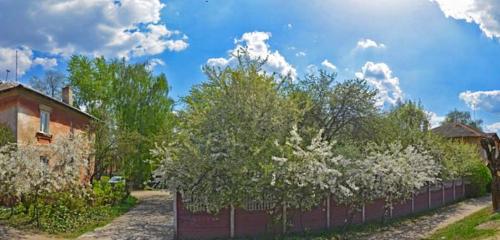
[466, 228]
[89, 220]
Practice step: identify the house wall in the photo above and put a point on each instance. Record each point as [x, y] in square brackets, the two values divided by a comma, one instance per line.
[62, 119]
[8, 111]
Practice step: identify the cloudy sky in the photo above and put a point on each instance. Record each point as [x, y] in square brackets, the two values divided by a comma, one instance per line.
[445, 53]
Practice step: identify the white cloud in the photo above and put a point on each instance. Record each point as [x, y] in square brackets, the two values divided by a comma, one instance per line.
[485, 13]
[125, 28]
[256, 45]
[25, 61]
[495, 127]
[46, 63]
[154, 63]
[300, 54]
[327, 64]
[485, 100]
[379, 75]
[435, 120]
[368, 43]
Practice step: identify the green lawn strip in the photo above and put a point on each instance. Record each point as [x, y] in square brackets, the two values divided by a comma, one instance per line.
[466, 228]
[91, 219]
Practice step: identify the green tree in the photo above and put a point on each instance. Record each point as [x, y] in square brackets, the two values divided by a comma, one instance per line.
[342, 109]
[133, 108]
[463, 117]
[227, 135]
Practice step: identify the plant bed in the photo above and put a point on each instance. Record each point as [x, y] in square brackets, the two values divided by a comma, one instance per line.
[60, 221]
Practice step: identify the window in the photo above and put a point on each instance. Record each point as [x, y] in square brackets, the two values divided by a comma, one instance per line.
[44, 160]
[44, 121]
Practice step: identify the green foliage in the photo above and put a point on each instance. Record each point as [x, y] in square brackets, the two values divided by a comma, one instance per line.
[479, 175]
[68, 213]
[134, 112]
[342, 109]
[463, 117]
[6, 135]
[105, 193]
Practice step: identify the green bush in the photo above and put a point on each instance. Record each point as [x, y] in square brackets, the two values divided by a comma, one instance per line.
[6, 135]
[480, 177]
[107, 193]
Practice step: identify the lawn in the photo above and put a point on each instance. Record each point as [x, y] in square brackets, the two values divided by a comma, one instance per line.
[91, 218]
[466, 228]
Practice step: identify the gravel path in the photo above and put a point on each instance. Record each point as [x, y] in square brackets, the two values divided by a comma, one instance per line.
[152, 218]
[424, 226]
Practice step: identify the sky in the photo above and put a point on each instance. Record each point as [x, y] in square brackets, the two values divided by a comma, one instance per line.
[444, 53]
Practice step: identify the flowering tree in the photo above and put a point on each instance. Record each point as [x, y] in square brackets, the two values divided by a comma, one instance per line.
[402, 172]
[303, 175]
[25, 176]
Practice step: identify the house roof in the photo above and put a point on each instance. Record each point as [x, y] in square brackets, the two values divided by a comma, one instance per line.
[4, 87]
[493, 135]
[453, 130]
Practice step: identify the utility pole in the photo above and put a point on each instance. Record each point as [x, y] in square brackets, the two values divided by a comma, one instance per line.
[16, 65]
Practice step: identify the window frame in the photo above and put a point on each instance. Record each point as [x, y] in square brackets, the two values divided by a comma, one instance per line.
[44, 121]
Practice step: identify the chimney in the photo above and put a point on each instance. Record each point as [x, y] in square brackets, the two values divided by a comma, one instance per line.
[67, 95]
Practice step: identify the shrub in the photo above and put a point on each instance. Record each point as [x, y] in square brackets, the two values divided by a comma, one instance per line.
[480, 177]
[107, 193]
[6, 135]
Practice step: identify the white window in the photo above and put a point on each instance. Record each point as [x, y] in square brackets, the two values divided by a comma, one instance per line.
[44, 121]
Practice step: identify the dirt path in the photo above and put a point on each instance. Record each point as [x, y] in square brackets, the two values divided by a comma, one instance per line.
[424, 226]
[10, 233]
[151, 219]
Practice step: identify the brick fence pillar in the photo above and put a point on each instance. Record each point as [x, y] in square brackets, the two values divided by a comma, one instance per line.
[231, 222]
[328, 211]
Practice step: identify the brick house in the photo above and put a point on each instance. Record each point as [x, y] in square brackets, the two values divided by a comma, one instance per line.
[36, 118]
[467, 134]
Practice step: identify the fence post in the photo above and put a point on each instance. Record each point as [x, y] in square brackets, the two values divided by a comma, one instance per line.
[231, 222]
[442, 193]
[463, 188]
[390, 210]
[412, 202]
[454, 191]
[284, 218]
[429, 196]
[363, 214]
[174, 207]
[328, 211]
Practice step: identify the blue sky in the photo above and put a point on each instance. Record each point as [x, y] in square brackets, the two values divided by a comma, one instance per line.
[442, 52]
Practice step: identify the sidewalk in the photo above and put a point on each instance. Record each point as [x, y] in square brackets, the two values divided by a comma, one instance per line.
[424, 226]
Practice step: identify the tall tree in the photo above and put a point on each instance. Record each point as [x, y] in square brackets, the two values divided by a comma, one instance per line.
[133, 108]
[51, 83]
[341, 109]
[463, 117]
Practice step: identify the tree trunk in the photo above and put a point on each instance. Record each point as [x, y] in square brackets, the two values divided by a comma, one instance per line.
[489, 146]
[495, 192]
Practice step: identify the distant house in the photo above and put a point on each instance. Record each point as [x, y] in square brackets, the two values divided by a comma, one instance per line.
[467, 134]
[36, 118]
